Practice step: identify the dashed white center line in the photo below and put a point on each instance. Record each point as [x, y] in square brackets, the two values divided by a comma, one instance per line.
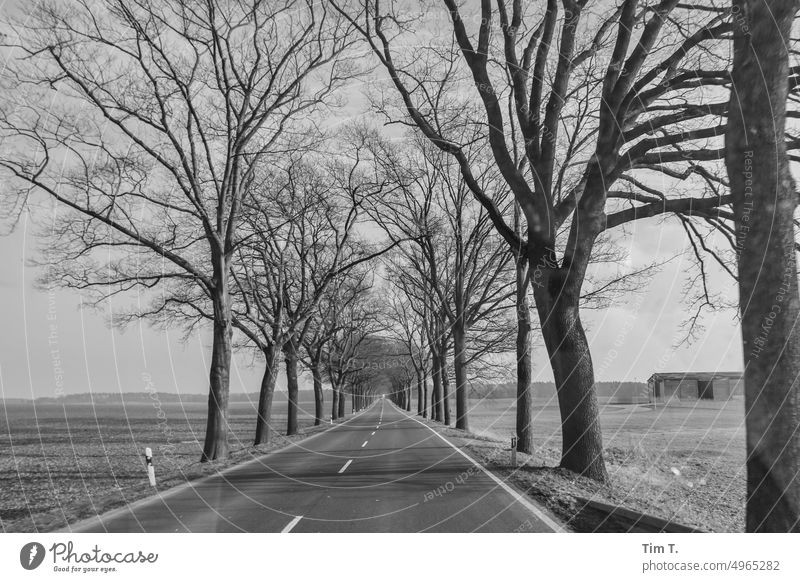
[347, 464]
[365, 444]
[291, 524]
[373, 433]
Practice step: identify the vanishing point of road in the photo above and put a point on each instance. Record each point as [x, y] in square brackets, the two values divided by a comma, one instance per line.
[380, 471]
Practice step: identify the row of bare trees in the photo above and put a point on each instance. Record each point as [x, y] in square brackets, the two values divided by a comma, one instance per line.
[459, 290]
[598, 114]
[184, 147]
[577, 112]
[152, 124]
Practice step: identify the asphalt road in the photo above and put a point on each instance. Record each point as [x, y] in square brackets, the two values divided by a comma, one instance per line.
[381, 471]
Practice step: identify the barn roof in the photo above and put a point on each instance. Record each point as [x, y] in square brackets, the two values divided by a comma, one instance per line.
[704, 376]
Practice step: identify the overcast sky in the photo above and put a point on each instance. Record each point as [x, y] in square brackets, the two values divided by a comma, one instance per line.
[629, 342]
[91, 355]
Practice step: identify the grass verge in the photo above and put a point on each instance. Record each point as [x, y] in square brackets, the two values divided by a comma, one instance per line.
[637, 483]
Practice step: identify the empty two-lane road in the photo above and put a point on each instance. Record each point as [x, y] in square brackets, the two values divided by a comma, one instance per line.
[381, 471]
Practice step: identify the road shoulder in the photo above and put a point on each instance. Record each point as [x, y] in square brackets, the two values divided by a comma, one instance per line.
[463, 443]
[85, 518]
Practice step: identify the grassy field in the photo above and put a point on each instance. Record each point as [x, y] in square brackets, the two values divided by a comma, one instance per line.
[62, 462]
[683, 463]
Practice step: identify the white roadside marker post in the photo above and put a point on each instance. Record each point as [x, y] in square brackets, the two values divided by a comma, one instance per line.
[513, 451]
[151, 472]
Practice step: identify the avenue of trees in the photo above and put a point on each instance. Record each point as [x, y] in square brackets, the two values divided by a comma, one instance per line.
[199, 156]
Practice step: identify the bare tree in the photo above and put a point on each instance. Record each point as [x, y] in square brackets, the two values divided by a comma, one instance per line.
[764, 204]
[148, 121]
[316, 339]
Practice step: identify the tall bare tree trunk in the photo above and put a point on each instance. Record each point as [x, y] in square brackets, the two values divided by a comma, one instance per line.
[524, 364]
[459, 328]
[292, 386]
[460, 364]
[570, 359]
[216, 439]
[319, 403]
[420, 397]
[436, 393]
[342, 402]
[266, 394]
[424, 394]
[334, 401]
[445, 380]
[524, 425]
[764, 202]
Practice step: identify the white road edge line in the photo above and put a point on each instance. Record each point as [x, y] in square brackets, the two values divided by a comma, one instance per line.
[365, 444]
[347, 464]
[291, 524]
[515, 494]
